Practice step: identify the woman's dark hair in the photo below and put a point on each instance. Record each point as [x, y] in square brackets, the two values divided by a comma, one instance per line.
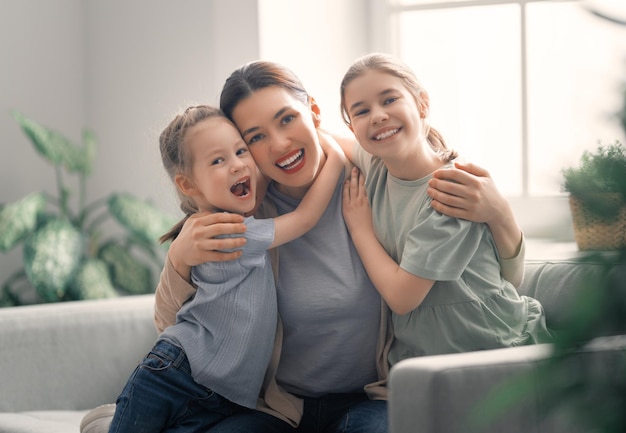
[258, 75]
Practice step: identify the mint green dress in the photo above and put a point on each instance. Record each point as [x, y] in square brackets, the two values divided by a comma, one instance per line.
[470, 306]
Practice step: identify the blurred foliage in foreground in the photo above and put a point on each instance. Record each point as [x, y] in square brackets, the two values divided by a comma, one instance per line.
[578, 382]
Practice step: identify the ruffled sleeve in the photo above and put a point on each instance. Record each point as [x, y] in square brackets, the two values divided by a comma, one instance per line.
[171, 293]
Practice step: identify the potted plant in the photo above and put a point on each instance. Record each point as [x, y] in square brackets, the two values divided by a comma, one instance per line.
[67, 253]
[597, 189]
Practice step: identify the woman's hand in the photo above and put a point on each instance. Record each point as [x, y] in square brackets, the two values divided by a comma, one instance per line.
[356, 208]
[467, 191]
[197, 242]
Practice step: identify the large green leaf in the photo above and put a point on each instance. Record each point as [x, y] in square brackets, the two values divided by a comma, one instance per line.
[55, 147]
[140, 217]
[92, 281]
[19, 219]
[52, 255]
[127, 273]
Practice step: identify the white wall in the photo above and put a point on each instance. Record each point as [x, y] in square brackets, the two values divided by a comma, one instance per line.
[318, 40]
[146, 60]
[123, 67]
[42, 75]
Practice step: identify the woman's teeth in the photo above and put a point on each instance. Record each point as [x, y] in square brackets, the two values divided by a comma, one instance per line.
[286, 164]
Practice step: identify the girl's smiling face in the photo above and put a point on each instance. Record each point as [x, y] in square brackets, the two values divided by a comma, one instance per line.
[281, 133]
[384, 115]
[223, 172]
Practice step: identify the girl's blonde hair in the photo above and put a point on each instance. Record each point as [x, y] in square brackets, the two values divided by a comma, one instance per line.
[387, 64]
[176, 156]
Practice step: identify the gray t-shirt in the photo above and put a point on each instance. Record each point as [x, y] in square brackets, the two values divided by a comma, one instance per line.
[329, 308]
[227, 329]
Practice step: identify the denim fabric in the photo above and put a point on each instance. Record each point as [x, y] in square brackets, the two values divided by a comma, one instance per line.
[161, 396]
[337, 413]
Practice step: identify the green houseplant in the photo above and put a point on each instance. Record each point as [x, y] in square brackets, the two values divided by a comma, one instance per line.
[597, 188]
[67, 253]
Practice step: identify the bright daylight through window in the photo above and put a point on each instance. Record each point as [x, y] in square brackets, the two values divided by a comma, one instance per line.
[521, 87]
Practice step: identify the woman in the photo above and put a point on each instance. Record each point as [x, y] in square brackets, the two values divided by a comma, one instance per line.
[329, 367]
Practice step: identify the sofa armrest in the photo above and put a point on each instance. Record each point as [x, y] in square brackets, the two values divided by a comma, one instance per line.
[439, 394]
[72, 355]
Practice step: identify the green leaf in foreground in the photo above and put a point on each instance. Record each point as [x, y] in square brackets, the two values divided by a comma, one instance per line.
[51, 257]
[19, 219]
[54, 147]
[92, 282]
[127, 273]
[140, 217]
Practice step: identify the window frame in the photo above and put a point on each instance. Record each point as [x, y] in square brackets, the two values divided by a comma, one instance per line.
[557, 225]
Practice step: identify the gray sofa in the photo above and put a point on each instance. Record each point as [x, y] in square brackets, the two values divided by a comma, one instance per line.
[58, 361]
[450, 393]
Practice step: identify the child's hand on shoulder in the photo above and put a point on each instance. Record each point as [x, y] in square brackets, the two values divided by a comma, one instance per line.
[356, 208]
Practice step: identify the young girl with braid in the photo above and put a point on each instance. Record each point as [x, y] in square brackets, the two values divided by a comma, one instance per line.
[211, 363]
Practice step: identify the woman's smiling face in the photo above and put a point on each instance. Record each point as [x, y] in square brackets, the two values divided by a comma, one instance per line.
[282, 136]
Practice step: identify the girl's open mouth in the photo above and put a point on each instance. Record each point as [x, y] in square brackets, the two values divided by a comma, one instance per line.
[241, 188]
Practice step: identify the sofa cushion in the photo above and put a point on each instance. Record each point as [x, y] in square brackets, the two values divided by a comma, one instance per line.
[444, 393]
[72, 355]
[58, 421]
[556, 284]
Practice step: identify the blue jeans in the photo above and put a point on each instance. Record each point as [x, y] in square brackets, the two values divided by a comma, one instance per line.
[161, 396]
[335, 413]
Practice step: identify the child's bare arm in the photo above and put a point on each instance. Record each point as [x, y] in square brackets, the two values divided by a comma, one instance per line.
[347, 142]
[307, 214]
[401, 290]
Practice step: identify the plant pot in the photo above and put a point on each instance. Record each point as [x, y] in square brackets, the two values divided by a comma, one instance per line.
[595, 232]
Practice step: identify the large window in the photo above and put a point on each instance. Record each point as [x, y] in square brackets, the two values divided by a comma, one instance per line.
[520, 86]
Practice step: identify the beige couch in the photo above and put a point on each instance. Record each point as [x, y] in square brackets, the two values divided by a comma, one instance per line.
[58, 361]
